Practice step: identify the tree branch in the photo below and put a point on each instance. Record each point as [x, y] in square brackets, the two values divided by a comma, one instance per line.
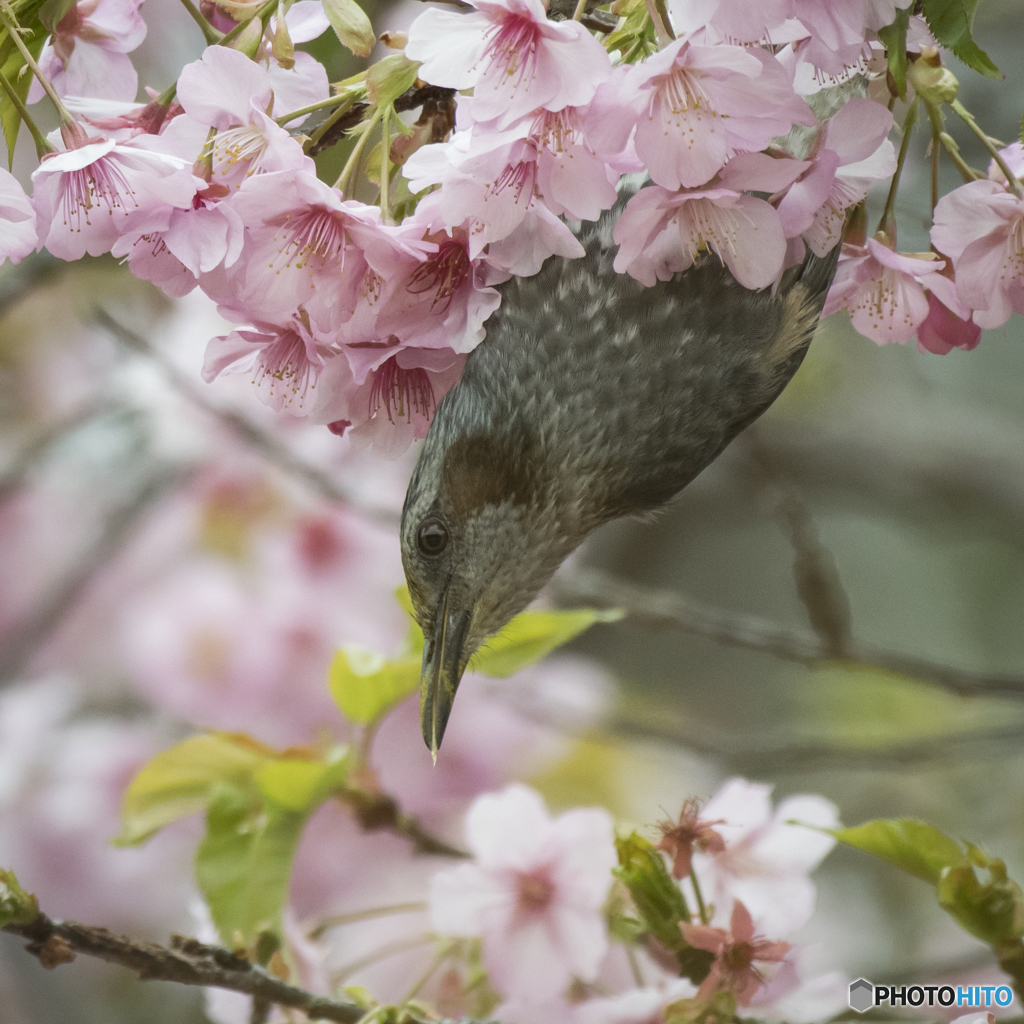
[263, 441]
[186, 961]
[666, 608]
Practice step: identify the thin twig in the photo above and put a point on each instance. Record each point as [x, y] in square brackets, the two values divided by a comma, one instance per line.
[263, 441]
[21, 642]
[186, 962]
[338, 920]
[815, 573]
[380, 811]
[666, 608]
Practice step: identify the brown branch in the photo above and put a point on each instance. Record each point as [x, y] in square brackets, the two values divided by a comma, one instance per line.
[263, 441]
[814, 567]
[670, 609]
[380, 811]
[186, 961]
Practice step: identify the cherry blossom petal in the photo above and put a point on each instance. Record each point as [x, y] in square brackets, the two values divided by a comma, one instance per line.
[220, 88]
[18, 218]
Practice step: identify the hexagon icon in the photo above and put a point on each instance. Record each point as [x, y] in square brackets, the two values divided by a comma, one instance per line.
[862, 995]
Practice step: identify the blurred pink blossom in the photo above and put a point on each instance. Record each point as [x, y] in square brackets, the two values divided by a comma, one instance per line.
[87, 53]
[534, 893]
[736, 950]
[511, 55]
[766, 861]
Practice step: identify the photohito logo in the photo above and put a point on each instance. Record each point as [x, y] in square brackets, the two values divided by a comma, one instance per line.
[864, 995]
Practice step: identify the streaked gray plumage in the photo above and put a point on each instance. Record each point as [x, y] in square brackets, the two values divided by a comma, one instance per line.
[592, 397]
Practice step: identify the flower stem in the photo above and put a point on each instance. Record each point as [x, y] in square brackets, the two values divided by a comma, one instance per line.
[385, 164]
[699, 897]
[43, 148]
[352, 163]
[12, 31]
[329, 102]
[210, 34]
[935, 116]
[968, 119]
[659, 15]
[581, 8]
[887, 222]
[365, 915]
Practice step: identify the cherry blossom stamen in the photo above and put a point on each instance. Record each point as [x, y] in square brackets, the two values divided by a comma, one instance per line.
[534, 892]
[314, 233]
[521, 176]
[246, 143]
[682, 90]
[102, 183]
[443, 272]
[402, 392]
[285, 362]
[513, 47]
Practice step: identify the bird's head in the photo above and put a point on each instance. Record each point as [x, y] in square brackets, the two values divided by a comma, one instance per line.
[479, 537]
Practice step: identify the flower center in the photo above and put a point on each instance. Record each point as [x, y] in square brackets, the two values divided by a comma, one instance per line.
[522, 177]
[557, 130]
[315, 233]
[513, 47]
[683, 92]
[402, 392]
[535, 892]
[101, 184]
[285, 362]
[443, 273]
[738, 957]
[246, 143]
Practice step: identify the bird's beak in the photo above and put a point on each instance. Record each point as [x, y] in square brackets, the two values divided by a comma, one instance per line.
[443, 665]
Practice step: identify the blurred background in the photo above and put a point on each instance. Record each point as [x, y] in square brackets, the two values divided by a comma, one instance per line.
[175, 555]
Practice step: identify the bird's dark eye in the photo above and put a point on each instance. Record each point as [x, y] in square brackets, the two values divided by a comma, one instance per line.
[433, 538]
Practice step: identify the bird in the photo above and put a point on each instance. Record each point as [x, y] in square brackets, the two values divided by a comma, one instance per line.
[592, 397]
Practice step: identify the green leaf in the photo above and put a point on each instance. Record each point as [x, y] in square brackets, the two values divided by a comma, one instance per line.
[894, 38]
[301, 785]
[351, 26]
[532, 635]
[178, 781]
[244, 861]
[389, 78]
[15, 71]
[659, 902]
[951, 22]
[917, 848]
[365, 684]
[16, 905]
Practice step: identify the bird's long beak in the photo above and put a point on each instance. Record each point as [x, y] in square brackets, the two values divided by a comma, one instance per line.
[443, 665]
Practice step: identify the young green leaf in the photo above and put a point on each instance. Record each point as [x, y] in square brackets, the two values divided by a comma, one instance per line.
[13, 66]
[389, 78]
[301, 785]
[894, 38]
[178, 781]
[244, 862]
[351, 26]
[53, 11]
[951, 22]
[992, 911]
[365, 684]
[917, 848]
[532, 635]
[16, 905]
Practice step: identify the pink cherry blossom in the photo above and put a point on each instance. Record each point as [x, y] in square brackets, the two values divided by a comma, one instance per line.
[227, 91]
[695, 106]
[87, 54]
[837, 32]
[307, 246]
[515, 60]
[680, 838]
[18, 235]
[854, 154]
[534, 892]
[734, 21]
[285, 360]
[736, 953]
[661, 233]
[766, 861]
[1013, 157]
[395, 401]
[87, 197]
[980, 226]
[884, 291]
[207, 235]
[945, 328]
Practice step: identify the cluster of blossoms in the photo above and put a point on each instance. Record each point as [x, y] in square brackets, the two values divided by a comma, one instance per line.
[361, 320]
